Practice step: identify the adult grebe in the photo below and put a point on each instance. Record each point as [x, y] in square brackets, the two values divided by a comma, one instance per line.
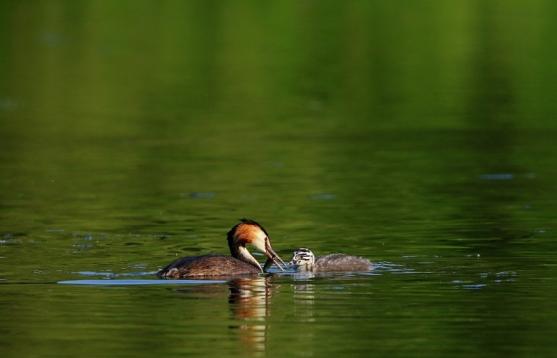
[304, 260]
[241, 262]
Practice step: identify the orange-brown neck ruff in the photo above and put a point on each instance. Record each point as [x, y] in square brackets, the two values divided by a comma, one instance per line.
[240, 235]
[245, 233]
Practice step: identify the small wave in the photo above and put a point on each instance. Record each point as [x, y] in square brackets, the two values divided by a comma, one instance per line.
[138, 282]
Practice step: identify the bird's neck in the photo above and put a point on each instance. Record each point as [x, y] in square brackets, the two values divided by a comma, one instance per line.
[306, 266]
[241, 253]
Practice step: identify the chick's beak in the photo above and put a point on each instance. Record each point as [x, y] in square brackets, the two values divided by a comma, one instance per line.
[272, 255]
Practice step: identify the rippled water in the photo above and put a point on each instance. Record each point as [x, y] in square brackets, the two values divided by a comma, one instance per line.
[420, 136]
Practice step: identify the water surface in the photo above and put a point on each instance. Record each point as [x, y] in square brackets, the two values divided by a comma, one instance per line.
[419, 135]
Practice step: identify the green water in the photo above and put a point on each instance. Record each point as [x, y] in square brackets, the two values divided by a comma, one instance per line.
[419, 134]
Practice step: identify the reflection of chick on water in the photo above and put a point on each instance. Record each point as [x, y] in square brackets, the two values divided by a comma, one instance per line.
[249, 303]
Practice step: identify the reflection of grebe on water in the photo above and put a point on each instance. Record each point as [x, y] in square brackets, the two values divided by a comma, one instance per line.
[249, 300]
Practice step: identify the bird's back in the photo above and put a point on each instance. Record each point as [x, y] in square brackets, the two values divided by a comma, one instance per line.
[341, 262]
[207, 266]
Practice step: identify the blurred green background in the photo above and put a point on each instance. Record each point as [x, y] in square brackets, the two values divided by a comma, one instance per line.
[420, 134]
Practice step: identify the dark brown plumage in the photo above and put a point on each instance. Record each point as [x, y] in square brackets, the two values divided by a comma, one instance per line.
[206, 266]
[241, 262]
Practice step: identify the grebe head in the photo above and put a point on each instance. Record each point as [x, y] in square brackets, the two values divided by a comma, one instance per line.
[250, 232]
[302, 259]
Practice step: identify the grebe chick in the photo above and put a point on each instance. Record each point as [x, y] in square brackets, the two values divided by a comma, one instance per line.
[241, 262]
[304, 260]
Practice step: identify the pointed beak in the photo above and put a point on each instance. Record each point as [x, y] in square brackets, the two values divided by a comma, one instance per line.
[272, 255]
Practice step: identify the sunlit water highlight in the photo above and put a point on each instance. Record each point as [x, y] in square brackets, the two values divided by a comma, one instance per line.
[138, 282]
